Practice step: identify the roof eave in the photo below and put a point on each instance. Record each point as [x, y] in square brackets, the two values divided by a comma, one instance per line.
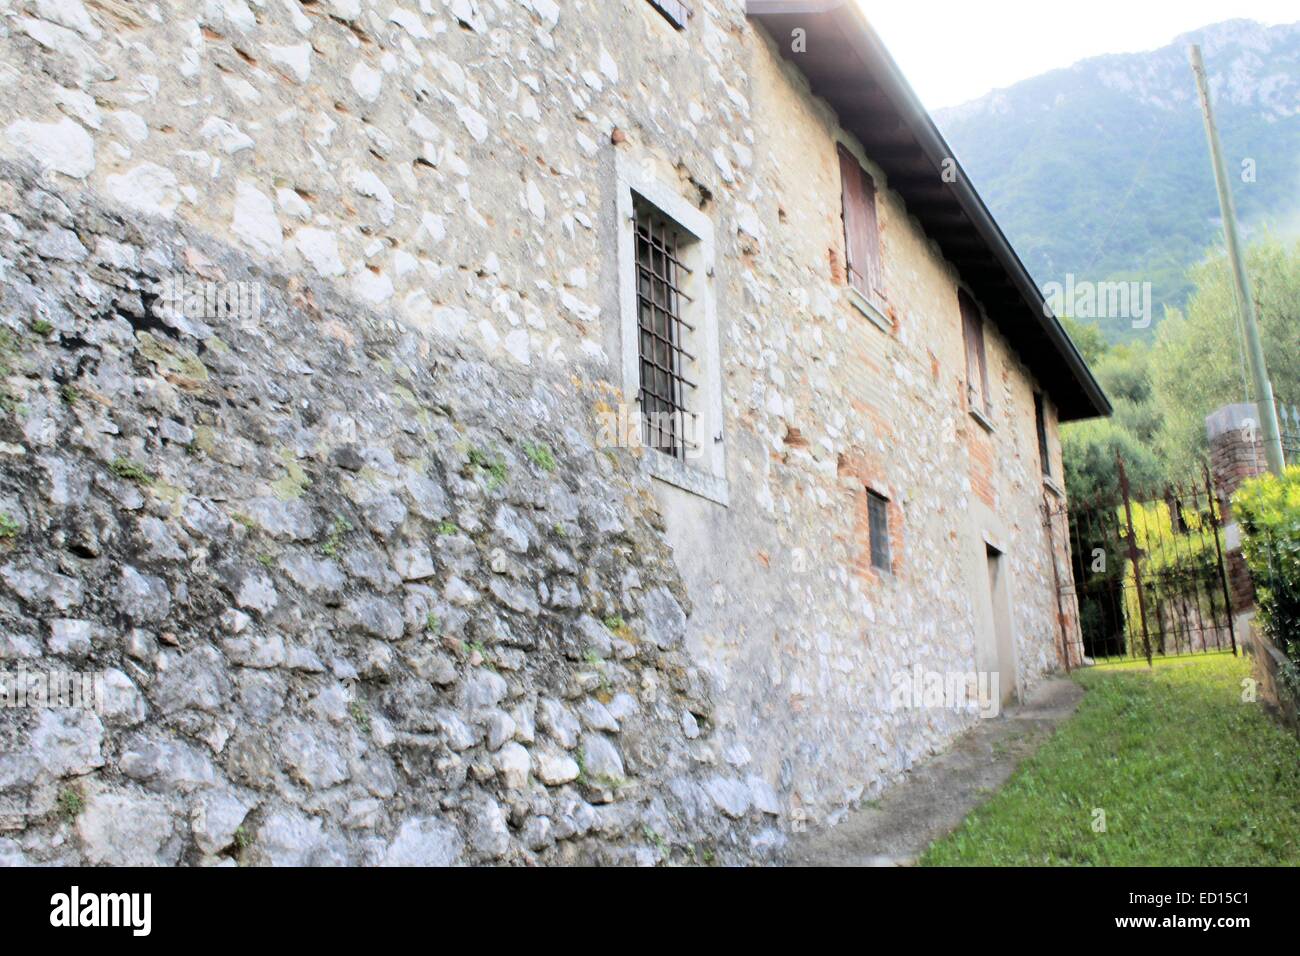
[1085, 399]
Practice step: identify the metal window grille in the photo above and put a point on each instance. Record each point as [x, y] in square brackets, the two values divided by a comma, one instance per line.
[674, 11]
[878, 522]
[667, 424]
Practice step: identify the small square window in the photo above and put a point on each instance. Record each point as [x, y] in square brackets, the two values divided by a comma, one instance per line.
[674, 11]
[878, 522]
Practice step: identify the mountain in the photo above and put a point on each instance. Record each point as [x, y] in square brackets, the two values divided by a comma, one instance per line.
[1101, 170]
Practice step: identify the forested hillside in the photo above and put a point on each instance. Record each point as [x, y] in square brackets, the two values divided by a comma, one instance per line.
[1100, 170]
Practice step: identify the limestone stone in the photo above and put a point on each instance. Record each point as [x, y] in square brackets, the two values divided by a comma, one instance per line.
[143, 597]
[597, 716]
[665, 619]
[63, 146]
[554, 768]
[314, 758]
[215, 817]
[197, 681]
[292, 838]
[513, 764]
[67, 742]
[70, 636]
[732, 796]
[487, 829]
[601, 760]
[255, 222]
[123, 704]
[146, 188]
[425, 841]
[557, 720]
[128, 829]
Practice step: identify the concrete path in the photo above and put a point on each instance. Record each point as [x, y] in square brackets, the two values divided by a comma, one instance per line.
[935, 796]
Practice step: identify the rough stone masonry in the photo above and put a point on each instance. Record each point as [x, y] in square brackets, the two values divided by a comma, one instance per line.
[362, 581]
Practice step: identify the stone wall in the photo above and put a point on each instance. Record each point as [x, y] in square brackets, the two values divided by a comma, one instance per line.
[428, 191]
[356, 597]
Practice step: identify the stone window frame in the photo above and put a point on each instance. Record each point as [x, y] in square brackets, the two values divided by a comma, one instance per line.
[706, 475]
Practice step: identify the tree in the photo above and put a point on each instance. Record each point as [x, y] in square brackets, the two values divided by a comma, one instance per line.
[1088, 448]
[1087, 338]
[1197, 363]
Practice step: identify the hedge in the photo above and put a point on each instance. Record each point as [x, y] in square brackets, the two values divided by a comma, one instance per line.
[1268, 510]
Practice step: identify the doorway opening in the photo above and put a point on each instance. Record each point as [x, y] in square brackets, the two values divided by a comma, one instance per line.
[1004, 648]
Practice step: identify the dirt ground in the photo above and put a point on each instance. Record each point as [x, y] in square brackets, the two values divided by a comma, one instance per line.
[936, 795]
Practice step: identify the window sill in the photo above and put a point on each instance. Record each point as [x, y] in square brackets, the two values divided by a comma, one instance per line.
[870, 310]
[688, 478]
[983, 418]
[1051, 485]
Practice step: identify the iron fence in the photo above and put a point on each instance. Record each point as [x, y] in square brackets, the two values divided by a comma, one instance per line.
[1288, 420]
[1149, 571]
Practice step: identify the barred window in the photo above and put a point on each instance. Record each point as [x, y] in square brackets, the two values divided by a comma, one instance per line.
[878, 523]
[668, 330]
[666, 393]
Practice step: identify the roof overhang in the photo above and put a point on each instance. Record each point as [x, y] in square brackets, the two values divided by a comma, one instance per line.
[846, 64]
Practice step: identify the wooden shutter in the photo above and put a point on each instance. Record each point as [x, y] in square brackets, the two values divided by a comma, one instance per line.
[861, 228]
[1040, 423]
[874, 266]
[977, 372]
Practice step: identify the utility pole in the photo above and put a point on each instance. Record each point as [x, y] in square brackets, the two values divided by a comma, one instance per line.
[1245, 301]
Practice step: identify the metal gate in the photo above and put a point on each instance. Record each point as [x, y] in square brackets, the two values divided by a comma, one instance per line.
[1149, 570]
[1288, 420]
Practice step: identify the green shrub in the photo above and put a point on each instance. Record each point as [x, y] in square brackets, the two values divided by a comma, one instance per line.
[540, 454]
[1268, 510]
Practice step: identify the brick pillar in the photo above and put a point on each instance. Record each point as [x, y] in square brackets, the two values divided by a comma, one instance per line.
[1236, 455]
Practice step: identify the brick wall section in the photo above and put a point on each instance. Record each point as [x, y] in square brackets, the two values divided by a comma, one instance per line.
[1236, 455]
[980, 446]
[859, 474]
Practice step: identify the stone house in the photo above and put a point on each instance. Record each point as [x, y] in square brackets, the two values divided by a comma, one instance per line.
[708, 265]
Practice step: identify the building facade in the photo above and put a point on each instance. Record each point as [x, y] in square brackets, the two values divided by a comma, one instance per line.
[731, 238]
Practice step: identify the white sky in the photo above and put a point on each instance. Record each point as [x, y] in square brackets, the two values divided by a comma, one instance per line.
[956, 50]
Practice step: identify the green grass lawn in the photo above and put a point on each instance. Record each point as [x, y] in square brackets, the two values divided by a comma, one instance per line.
[1187, 774]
